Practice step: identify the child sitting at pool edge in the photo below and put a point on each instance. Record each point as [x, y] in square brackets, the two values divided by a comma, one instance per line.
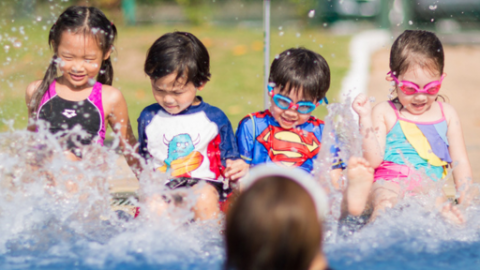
[181, 134]
[413, 136]
[287, 133]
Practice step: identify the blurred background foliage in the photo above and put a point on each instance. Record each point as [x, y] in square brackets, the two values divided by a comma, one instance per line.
[232, 30]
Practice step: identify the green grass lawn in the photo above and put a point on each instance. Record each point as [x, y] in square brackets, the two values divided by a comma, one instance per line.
[236, 55]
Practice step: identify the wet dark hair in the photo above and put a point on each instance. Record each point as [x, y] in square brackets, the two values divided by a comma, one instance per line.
[273, 225]
[179, 52]
[416, 47]
[419, 47]
[78, 19]
[301, 68]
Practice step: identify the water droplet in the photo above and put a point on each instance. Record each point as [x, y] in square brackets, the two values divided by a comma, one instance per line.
[298, 35]
[91, 81]
[280, 28]
[281, 33]
[432, 7]
[325, 24]
[311, 13]
[17, 44]
[333, 55]
[6, 48]
[14, 29]
[9, 59]
[321, 45]
[39, 19]
[432, 20]
[410, 22]
[372, 99]
[44, 28]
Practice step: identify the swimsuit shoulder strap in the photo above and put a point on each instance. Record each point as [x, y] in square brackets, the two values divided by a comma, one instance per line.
[394, 108]
[441, 109]
[50, 93]
[96, 98]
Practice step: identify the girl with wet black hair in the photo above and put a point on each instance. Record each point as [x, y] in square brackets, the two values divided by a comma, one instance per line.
[76, 90]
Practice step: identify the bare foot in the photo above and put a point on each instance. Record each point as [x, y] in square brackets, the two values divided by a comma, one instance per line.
[359, 183]
[451, 213]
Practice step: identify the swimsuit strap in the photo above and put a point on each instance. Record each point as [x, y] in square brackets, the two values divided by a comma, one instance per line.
[96, 98]
[441, 109]
[50, 93]
[394, 109]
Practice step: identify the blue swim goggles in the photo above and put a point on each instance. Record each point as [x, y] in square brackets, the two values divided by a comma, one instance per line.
[285, 103]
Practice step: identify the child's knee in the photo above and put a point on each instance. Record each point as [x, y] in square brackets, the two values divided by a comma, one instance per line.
[206, 206]
[207, 194]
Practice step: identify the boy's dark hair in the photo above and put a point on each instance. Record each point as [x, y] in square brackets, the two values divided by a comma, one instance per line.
[301, 68]
[179, 52]
[78, 19]
[272, 225]
[416, 46]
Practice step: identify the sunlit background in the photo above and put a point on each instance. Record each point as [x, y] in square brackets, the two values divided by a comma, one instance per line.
[354, 36]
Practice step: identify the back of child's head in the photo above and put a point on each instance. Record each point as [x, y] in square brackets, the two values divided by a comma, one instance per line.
[301, 70]
[416, 47]
[79, 20]
[273, 224]
[181, 53]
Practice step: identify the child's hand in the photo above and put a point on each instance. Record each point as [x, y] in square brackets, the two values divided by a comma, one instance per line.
[236, 169]
[361, 105]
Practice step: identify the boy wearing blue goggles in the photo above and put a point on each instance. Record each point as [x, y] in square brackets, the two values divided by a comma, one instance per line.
[287, 133]
[285, 103]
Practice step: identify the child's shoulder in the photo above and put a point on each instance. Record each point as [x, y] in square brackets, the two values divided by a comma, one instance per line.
[111, 93]
[258, 118]
[150, 110]
[384, 107]
[315, 121]
[32, 87]
[448, 111]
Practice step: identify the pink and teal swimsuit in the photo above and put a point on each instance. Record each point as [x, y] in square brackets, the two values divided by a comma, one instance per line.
[63, 115]
[424, 145]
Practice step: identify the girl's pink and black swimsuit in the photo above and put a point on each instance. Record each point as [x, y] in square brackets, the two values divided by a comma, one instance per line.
[63, 115]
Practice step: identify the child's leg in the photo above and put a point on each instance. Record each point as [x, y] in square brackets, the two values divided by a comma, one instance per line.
[449, 211]
[207, 206]
[385, 194]
[359, 183]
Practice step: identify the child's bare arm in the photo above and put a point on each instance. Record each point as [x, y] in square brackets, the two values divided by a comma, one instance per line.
[462, 172]
[372, 128]
[117, 116]
[32, 87]
[236, 169]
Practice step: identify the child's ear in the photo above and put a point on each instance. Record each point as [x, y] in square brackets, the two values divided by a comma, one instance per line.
[107, 54]
[202, 85]
[389, 78]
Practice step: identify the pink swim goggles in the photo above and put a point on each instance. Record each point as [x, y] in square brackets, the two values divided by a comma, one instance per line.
[410, 88]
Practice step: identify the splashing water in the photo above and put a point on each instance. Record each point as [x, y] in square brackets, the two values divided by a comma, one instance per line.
[56, 214]
[411, 235]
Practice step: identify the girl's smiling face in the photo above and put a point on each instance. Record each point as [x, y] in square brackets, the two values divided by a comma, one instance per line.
[418, 103]
[81, 59]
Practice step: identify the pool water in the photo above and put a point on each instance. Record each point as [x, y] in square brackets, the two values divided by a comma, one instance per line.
[55, 214]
